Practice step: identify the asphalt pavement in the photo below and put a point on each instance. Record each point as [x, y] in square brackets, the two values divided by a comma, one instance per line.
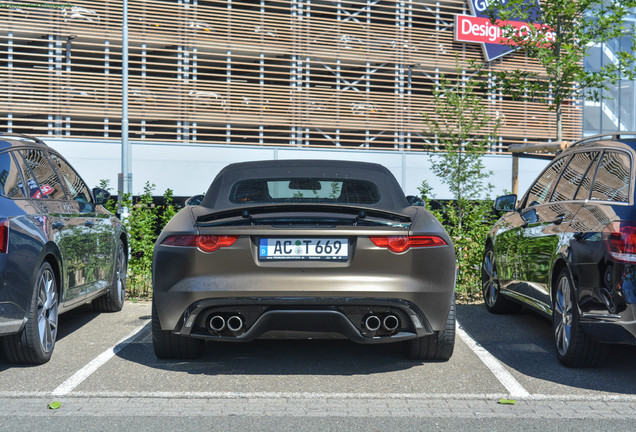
[105, 376]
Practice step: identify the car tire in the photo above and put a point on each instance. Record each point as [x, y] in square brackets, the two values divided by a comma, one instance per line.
[171, 346]
[113, 300]
[494, 301]
[574, 347]
[439, 346]
[35, 343]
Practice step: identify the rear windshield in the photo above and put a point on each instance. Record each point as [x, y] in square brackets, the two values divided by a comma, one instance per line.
[304, 190]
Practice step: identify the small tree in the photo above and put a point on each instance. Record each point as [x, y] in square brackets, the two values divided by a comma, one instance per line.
[168, 209]
[143, 224]
[463, 130]
[559, 41]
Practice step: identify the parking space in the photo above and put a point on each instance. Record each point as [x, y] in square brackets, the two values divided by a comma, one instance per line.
[83, 335]
[293, 366]
[520, 345]
[523, 344]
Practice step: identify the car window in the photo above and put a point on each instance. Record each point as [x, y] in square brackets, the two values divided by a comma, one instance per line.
[612, 178]
[310, 190]
[31, 186]
[74, 183]
[572, 175]
[47, 179]
[10, 177]
[586, 182]
[538, 193]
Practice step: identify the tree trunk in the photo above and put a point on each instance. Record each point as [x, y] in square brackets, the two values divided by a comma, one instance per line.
[559, 122]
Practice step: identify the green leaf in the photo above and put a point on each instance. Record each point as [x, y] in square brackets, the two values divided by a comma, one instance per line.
[507, 402]
[54, 405]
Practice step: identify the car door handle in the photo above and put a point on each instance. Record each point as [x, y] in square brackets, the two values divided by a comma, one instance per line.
[89, 224]
[57, 225]
[559, 219]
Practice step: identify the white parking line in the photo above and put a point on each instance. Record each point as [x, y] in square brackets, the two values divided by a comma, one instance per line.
[76, 379]
[515, 389]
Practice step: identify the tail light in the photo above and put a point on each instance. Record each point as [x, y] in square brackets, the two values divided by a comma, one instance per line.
[620, 238]
[403, 243]
[206, 243]
[4, 236]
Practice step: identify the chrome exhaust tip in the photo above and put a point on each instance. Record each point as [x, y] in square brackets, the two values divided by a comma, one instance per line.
[234, 323]
[372, 323]
[391, 323]
[217, 323]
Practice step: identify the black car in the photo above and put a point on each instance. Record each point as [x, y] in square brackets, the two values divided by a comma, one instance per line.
[568, 249]
[59, 248]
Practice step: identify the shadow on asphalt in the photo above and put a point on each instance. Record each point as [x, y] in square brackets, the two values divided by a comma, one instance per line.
[67, 323]
[280, 357]
[523, 342]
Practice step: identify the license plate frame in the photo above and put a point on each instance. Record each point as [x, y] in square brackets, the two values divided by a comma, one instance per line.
[303, 249]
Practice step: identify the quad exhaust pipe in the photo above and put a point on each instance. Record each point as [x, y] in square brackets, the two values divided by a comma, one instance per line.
[390, 323]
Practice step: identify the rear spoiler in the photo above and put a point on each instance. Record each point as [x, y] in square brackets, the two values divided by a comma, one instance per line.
[356, 212]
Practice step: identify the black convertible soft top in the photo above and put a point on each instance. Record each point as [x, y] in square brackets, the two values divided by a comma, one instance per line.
[381, 189]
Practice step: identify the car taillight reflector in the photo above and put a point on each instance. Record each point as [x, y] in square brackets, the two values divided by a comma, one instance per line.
[4, 236]
[206, 243]
[621, 241]
[403, 243]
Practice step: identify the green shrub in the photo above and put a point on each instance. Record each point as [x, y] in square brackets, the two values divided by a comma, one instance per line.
[467, 223]
[141, 225]
[143, 221]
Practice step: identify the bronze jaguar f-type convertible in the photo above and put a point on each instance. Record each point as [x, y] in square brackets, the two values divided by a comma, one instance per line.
[304, 249]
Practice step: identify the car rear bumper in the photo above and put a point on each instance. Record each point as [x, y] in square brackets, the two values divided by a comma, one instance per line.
[12, 318]
[302, 318]
[612, 328]
[14, 299]
[320, 304]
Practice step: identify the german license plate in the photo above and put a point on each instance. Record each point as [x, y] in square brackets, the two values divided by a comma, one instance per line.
[327, 249]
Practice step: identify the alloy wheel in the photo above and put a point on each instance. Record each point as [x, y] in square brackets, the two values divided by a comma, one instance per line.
[489, 279]
[47, 309]
[563, 316]
[120, 273]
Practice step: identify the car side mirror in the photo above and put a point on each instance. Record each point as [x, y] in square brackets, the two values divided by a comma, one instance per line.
[101, 195]
[506, 203]
[194, 200]
[415, 201]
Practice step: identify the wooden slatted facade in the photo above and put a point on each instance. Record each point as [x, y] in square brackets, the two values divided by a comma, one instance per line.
[314, 73]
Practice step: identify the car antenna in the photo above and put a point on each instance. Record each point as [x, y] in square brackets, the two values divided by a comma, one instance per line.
[361, 215]
[246, 215]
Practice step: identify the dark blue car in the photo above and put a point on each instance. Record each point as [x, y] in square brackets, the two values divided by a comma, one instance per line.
[59, 248]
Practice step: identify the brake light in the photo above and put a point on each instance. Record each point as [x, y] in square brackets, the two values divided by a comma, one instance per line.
[210, 243]
[205, 243]
[620, 238]
[403, 243]
[4, 236]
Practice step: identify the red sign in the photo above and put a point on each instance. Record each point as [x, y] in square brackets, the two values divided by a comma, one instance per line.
[478, 29]
[46, 189]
